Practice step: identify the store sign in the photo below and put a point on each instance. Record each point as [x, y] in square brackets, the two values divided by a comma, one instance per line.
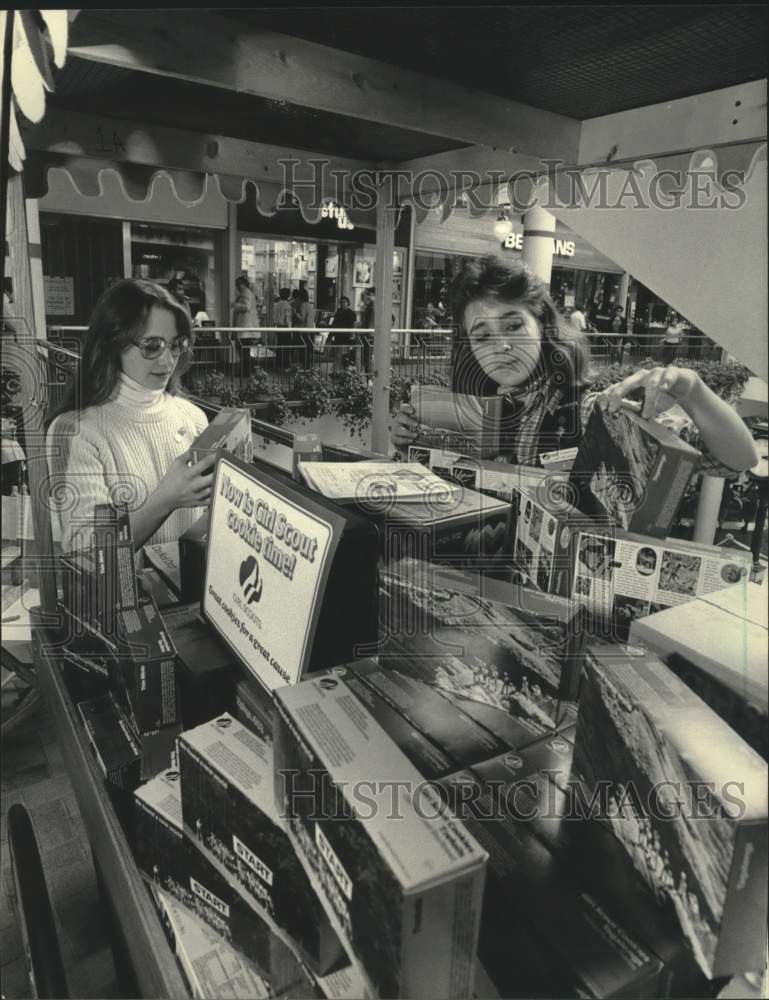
[331, 211]
[563, 248]
[59, 296]
[268, 559]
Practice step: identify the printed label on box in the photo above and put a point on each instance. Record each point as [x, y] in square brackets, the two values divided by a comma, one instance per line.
[625, 577]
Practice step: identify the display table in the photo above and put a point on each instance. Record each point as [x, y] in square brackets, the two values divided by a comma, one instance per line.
[151, 960]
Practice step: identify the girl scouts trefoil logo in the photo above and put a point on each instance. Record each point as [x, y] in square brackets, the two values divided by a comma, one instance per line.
[250, 580]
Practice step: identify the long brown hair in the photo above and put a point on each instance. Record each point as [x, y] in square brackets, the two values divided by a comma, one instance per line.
[119, 320]
[564, 354]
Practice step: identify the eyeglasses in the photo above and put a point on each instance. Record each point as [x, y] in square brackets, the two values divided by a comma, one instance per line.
[153, 347]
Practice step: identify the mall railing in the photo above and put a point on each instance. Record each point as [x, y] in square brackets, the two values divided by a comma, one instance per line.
[284, 353]
[233, 353]
[632, 349]
[59, 363]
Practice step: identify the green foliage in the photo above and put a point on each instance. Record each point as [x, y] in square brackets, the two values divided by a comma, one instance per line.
[351, 390]
[311, 388]
[726, 380]
[400, 386]
[260, 388]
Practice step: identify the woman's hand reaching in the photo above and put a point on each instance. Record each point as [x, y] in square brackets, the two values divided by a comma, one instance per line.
[404, 427]
[721, 429]
[187, 484]
[663, 388]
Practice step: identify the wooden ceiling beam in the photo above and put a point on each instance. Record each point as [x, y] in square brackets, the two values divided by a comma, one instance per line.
[704, 121]
[104, 137]
[229, 54]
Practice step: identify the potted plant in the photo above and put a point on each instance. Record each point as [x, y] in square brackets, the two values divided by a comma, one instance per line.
[262, 392]
[726, 380]
[351, 389]
[352, 392]
[310, 393]
[212, 386]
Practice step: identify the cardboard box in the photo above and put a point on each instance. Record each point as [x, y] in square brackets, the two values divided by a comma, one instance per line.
[113, 741]
[545, 534]
[290, 980]
[153, 584]
[164, 559]
[210, 964]
[145, 668]
[172, 864]
[228, 804]
[230, 431]
[469, 529]
[101, 580]
[438, 461]
[558, 461]
[516, 780]
[496, 479]
[620, 577]
[253, 708]
[207, 670]
[450, 421]
[632, 470]
[700, 839]
[193, 546]
[425, 754]
[541, 934]
[399, 893]
[514, 649]
[592, 855]
[717, 645]
[307, 448]
[113, 539]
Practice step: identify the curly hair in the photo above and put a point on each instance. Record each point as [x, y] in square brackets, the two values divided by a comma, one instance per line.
[564, 350]
[119, 320]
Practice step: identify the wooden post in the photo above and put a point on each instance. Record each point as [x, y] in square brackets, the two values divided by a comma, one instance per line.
[232, 268]
[383, 303]
[20, 353]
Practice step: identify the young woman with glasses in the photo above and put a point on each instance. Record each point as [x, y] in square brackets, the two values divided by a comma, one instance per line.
[123, 433]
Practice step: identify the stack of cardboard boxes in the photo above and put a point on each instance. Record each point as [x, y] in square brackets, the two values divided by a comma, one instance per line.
[118, 635]
[602, 539]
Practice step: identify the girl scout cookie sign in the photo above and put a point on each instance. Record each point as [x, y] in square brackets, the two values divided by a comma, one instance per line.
[268, 559]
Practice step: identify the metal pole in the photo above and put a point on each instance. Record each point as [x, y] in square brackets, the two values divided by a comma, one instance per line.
[383, 301]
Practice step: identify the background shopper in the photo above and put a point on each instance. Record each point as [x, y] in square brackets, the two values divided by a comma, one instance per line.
[674, 335]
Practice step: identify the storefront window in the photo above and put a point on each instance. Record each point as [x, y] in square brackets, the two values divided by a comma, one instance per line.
[326, 271]
[165, 252]
[314, 267]
[596, 291]
[433, 274]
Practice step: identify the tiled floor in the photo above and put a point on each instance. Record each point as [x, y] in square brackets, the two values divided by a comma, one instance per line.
[34, 774]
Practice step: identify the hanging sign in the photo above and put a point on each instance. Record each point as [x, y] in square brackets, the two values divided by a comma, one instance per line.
[59, 296]
[268, 560]
[561, 247]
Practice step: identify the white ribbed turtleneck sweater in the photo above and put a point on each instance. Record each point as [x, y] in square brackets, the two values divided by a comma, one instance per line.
[117, 452]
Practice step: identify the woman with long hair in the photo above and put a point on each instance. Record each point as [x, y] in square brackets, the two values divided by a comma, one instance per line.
[123, 432]
[511, 342]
